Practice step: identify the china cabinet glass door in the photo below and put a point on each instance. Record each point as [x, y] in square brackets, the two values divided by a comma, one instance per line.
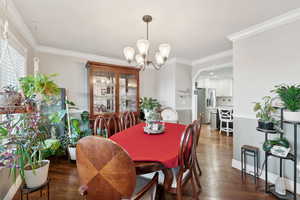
[104, 92]
[128, 92]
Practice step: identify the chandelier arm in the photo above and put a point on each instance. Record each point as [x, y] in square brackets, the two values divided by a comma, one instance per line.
[157, 67]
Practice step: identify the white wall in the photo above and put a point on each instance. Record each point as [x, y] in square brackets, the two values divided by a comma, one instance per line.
[72, 75]
[183, 81]
[263, 61]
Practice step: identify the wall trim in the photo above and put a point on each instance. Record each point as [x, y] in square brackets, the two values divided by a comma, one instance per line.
[244, 116]
[213, 57]
[271, 176]
[76, 54]
[286, 18]
[13, 189]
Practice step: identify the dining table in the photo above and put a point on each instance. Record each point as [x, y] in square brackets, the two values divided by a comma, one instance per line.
[152, 152]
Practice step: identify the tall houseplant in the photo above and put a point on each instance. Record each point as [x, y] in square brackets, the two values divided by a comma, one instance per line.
[264, 111]
[290, 97]
[25, 135]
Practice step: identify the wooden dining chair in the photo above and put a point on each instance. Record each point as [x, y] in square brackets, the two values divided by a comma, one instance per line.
[169, 115]
[106, 125]
[113, 125]
[197, 130]
[107, 172]
[100, 126]
[128, 120]
[186, 170]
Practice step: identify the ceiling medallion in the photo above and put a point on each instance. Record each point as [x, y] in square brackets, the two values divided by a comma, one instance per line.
[142, 57]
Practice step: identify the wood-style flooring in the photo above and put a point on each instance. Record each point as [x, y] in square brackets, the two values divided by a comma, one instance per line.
[219, 180]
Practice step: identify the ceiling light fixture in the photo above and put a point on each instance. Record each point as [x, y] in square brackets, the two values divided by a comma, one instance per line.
[142, 58]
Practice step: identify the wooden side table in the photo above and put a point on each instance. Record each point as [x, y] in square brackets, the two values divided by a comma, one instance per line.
[25, 190]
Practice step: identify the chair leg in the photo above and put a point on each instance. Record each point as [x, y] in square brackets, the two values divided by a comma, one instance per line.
[220, 131]
[179, 187]
[198, 167]
[193, 183]
[197, 179]
[227, 128]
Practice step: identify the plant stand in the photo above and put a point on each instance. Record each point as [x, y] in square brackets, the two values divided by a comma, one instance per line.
[27, 191]
[270, 188]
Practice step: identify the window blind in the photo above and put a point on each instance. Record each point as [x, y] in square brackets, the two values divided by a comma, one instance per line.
[12, 65]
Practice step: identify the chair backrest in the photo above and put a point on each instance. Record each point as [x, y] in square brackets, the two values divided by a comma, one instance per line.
[169, 115]
[106, 125]
[105, 170]
[187, 146]
[127, 120]
[225, 114]
[197, 131]
[113, 125]
[100, 126]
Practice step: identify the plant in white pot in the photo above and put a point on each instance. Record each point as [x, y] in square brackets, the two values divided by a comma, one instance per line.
[290, 97]
[25, 134]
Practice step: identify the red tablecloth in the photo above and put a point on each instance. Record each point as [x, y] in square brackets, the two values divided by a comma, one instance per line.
[162, 148]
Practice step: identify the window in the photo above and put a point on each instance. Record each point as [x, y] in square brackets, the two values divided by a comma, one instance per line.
[12, 65]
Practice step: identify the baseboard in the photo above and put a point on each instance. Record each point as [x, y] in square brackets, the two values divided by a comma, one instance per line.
[271, 176]
[13, 189]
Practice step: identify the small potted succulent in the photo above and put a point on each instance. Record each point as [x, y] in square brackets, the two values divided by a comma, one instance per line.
[264, 111]
[10, 96]
[290, 97]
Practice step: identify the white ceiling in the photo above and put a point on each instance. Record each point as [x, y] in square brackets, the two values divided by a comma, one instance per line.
[194, 28]
[221, 73]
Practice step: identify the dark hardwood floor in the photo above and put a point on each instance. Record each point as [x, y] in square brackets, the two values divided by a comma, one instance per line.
[219, 180]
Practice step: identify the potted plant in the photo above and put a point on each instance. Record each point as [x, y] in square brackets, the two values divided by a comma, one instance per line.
[25, 136]
[149, 105]
[10, 96]
[264, 111]
[290, 97]
[79, 128]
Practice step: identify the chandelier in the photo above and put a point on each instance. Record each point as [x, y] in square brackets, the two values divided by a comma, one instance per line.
[142, 57]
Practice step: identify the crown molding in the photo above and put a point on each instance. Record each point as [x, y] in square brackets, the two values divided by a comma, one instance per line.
[223, 54]
[76, 54]
[17, 20]
[286, 18]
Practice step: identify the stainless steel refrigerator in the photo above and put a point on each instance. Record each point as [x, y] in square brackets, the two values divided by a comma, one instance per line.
[206, 101]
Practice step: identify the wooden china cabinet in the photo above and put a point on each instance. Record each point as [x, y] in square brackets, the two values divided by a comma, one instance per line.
[112, 89]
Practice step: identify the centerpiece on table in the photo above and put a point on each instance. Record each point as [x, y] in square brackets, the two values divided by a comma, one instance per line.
[150, 108]
[25, 133]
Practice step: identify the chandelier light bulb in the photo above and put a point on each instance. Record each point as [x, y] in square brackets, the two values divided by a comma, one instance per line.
[139, 59]
[143, 46]
[164, 50]
[159, 59]
[129, 53]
